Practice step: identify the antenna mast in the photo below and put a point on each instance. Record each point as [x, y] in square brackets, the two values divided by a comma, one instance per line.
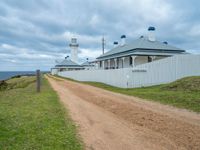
[103, 44]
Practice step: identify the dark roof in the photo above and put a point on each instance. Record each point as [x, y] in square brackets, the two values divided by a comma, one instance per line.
[68, 64]
[142, 45]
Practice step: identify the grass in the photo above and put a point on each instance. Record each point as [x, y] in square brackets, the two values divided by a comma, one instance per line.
[30, 120]
[183, 93]
[19, 82]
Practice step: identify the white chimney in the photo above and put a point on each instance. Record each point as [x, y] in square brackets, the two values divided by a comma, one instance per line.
[74, 50]
[123, 40]
[115, 44]
[151, 34]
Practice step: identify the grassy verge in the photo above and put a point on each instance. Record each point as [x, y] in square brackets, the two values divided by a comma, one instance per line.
[184, 93]
[30, 120]
[18, 82]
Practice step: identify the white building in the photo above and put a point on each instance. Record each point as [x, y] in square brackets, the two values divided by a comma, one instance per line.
[74, 50]
[69, 64]
[88, 65]
[143, 62]
[66, 65]
[143, 50]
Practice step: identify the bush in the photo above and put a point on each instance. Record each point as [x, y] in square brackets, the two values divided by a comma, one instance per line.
[3, 85]
[17, 76]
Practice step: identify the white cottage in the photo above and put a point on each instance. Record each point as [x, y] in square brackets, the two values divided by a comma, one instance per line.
[88, 65]
[66, 65]
[141, 51]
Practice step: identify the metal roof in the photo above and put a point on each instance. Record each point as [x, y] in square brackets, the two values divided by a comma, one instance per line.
[68, 64]
[141, 45]
[85, 64]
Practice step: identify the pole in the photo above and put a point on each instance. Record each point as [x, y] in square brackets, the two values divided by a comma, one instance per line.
[127, 76]
[103, 44]
[38, 80]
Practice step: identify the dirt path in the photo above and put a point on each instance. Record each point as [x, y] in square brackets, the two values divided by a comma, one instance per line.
[113, 121]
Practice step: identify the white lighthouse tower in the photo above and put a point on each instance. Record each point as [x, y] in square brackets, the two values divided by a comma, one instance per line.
[74, 50]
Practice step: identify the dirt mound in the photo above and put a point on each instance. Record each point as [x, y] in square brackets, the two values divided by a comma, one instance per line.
[184, 84]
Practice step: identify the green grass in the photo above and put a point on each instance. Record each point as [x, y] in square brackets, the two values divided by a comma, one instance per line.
[14, 83]
[30, 120]
[185, 84]
[184, 93]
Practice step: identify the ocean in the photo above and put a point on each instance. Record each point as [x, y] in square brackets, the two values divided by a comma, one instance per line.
[6, 75]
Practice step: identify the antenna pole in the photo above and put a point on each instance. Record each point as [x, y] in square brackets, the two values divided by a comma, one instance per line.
[103, 44]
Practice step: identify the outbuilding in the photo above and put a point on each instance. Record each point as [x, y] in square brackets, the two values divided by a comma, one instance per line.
[88, 65]
[66, 65]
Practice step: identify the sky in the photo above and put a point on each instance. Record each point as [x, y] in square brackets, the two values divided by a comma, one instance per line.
[35, 33]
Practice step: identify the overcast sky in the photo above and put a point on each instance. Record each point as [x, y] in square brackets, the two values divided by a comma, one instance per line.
[35, 33]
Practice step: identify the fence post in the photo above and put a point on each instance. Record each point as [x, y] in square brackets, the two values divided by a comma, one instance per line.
[38, 80]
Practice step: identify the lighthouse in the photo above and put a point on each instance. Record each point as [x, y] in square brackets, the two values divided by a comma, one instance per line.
[74, 50]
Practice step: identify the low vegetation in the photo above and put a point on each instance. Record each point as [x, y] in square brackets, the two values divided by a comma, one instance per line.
[3, 85]
[189, 84]
[183, 93]
[30, 120]
[16, 82]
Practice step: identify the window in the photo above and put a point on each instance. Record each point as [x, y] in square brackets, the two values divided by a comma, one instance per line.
[149, 59]
[100, 63]
[130, 60]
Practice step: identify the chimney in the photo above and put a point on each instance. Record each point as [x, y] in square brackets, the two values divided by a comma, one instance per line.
[115, 44]
[141, 36]
[123, 40]
[165, 42]
[151, 34]
[74, 50]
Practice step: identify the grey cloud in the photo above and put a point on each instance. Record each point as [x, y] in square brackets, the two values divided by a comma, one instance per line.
[44, 27]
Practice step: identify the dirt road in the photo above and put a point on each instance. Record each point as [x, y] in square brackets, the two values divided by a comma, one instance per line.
[111, 121]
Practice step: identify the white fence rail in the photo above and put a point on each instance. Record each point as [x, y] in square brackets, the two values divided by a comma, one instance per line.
[154, 73]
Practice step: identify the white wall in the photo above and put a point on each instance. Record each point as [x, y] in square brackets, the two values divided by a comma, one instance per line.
[90, 67]
[154, 73]
[54, 71]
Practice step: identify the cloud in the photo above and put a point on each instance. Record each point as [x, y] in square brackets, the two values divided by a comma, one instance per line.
[34, 33]
[95, 20]
[86, 53]
[194, 31]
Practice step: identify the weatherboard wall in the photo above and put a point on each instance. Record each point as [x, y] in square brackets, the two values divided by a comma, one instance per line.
[158, 72]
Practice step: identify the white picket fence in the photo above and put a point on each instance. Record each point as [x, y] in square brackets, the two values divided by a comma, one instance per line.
[154, 73]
